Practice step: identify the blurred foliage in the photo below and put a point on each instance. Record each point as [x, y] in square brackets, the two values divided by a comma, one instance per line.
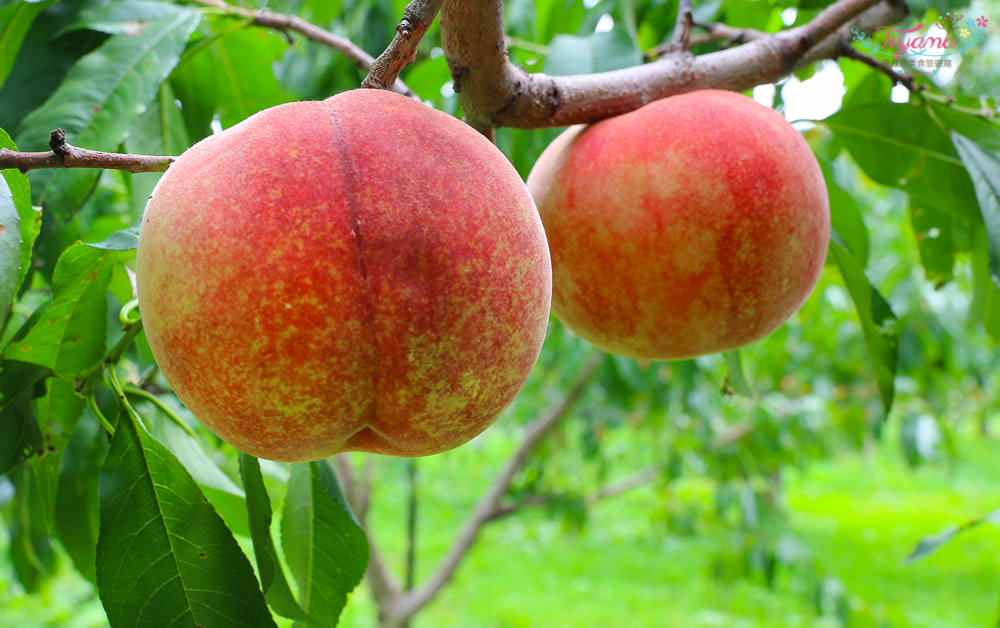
[901, 328]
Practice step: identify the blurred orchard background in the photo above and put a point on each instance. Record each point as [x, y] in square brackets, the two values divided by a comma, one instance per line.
[776, 486]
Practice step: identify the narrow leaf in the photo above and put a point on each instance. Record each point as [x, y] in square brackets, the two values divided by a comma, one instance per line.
[29, 220]
[10, 250]
[232, 77]
[984, 168]
[930, 543]
[77, 503]
[935, 233]
[326, 550]
[100, 98]
[272, 576]
[120, 17]
[845, 217]
[15, 19]
[737, 378]
[20, 437]
[124, 240]
[985, 306]
[164, 556]
[69, 337]
[877, 320]
[17, 378]
[31, 551]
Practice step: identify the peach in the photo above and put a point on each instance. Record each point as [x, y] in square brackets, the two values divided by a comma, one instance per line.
[362, 273]
[698, 223]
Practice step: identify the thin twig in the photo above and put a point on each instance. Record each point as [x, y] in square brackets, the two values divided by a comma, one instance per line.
[904, 78]
[681, 41]
[409, 603]
[640, 478]
[714, 32]
[65, 155]
[402, 50]
[286, 23]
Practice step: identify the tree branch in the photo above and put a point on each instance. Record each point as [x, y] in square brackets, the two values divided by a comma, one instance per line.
[409, 603]
[402, 51]
[286, 23]
[65, 155]
[614, 489]
[495, 93]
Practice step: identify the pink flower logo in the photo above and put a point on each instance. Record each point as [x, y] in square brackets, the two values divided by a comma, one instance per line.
[981, 21]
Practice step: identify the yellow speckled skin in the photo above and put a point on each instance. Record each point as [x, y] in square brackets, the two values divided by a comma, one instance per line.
[362, 273]
[696, 224]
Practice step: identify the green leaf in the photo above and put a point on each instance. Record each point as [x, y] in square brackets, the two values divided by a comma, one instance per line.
[167, 427]
[877, 320]
[29, 220]
[985, 306]
[15, 19]
[900, 145]
[40, 67]
[278, 594]
[17, 378]
[77, 503]
[56, 413]
[159, 131]
[845, 217]
[69, 338]
[119, 17]
[984, 168]
[935, 234]
[930, 543]
[124, 240]
[31, 550]
[98, 101]
[231, 78]
[10, 250]
[599, 52]
[20, 437]
[164, 556]
[326, 549]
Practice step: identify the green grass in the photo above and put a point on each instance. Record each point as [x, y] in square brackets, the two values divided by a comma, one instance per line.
[859, 516]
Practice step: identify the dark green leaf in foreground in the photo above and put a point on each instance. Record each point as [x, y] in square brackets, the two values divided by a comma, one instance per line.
[69, 337]
[98, 101]
[164, 557]
[877, 320]
[272, 576]
[326, 549]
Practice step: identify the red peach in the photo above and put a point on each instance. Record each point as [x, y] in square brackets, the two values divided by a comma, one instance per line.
[362, 273]
[698, 223]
